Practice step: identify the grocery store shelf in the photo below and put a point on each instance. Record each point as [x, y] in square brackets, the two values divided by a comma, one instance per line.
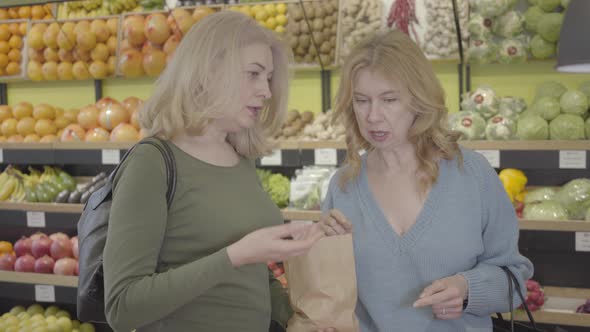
[40, 215]
[527, 145]
[556, 317]
[44, 207]
[38, 279]
[301, 215]
[37, 287]
[555, 225]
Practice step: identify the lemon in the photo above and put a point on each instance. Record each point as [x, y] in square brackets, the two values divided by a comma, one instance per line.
[261, 15]
[271, 23]
[281, 8]
[281, 19]
[234, 8]
[280, 29]
[270, 9]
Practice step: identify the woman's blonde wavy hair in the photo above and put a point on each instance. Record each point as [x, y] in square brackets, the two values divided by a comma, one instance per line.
[202, 81]
[397, 57]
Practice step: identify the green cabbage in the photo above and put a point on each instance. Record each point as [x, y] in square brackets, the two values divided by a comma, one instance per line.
[470, 124]
[532, 17]
[479, 26]
[508, 25]
[482, 100]
[532, 127]
[574, 102]
[575, 197]
[512, 51]
[549, 26]
[481, 51]
[585, 88]
[548, 5]
[588, 128]
[500, 128]
[550, 89]
[542, 49]
[533, 2]
[565, 3]
[547, 107]
[540, 194]
[545, 210]
[491, 8]
[567, 127]
[511, 106]
[277, 186]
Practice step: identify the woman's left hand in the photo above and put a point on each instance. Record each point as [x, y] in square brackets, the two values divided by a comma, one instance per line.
[446, 297]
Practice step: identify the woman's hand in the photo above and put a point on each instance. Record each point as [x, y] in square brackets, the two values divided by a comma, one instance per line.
[335, 223]
[446, 297]
[273, 243]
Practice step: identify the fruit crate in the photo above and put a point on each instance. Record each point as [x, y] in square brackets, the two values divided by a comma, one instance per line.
[13, 57]
[144, 53]
[68, 49]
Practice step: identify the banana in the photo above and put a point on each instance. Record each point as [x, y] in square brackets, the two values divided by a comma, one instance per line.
[7, 189]
[3, 178]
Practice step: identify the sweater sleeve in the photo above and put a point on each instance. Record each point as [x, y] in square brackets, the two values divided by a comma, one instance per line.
[488, 283]
[279, 299]
[135, 293]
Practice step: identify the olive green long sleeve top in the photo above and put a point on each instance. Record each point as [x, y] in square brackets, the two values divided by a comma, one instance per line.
[168, 270]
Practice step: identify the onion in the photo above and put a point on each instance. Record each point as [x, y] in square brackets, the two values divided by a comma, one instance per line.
[41, 246]
[23, 246]
[38, 235]
[75, 250]
[25, 263]
[59, 235]
[44, 265]
[7, 262]
[61, 248]
[65, 266]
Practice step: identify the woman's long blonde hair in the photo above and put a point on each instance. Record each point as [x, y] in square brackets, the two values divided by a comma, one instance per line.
[202, 82]
[398, 58]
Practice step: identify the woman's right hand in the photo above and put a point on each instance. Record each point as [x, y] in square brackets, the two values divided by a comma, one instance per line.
[271, 243]
[335, 223]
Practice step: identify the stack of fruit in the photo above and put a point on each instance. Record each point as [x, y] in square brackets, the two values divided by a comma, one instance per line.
[11, 47]
[44, 187]
[271, 16]
[535, 297]
[514, 182]
[82, 193]
[37, 12]
[39, 124]
[150, 41]
[96, 8]
[296, 122]
[40, 253]
[70, 50]
[37, 318]
[311, 31]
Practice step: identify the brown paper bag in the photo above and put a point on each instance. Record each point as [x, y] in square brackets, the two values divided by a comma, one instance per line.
[322, 287]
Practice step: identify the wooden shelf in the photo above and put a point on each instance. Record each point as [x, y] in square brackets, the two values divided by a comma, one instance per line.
[38, 279]
[527, 145]
[555, 225]
[301, 215]
[43, 207]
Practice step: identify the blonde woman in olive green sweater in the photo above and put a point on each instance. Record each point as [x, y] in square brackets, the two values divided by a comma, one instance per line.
[200, 265]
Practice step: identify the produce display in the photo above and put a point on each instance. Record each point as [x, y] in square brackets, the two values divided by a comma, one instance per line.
[12, 36]
[584, 308]
[149, 41]
[96, 8]
[440, 39]
[39, 318]
[37, 12]
[535, 297]
[41, 253]
[309, 187]
[294, 125]
[311, 31]
[107, 120]
[360, 19]
[271, 16]
[323, 129]
[46, 187]
[276, 185]
[80, 50]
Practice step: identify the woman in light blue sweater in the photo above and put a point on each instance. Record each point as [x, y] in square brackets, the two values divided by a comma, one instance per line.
[432, 225]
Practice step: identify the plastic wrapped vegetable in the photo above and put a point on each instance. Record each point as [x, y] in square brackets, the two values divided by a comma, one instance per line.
[546, 107]
[567, 127]
[479, 26]
[279, 189]
[532, 127]
[470, 124]
[532, 17]
[549, 26]
[511, 106]
[545, 210]
[500, 128]
[574, 102]
[508, 25]
[481, 51]
[575, 197]
[512, 51]
[539, 195]
[482, 100]
[491, 8]
[548, 5]
[542, 49]
[550, 89]
[585, 89]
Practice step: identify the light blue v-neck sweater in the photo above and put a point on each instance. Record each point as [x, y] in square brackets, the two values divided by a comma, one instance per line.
[467, 226]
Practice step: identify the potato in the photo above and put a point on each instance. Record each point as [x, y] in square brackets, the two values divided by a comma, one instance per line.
[317, 24]
[309, 10]
[294, 28]
[292, 115]
[304, 41]
[300, 50]
[307, 117]
[318, 38]
[312, 50]
[326, 48]
[308, 58]
[298, 59]
[304, 28]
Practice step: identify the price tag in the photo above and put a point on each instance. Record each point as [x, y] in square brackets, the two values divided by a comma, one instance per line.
[493, 157]
[111, 156]
[1, 156]
[275, 159]
[583, 241]
[326, 157]
[35, 219]
[44, 293]
[572, 159]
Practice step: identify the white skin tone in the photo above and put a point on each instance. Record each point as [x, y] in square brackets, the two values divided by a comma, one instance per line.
[270, 243]
[381, 109]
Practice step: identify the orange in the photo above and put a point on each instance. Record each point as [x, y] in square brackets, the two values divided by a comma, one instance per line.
[22, 29]
[12, 69]
[5, 247]
[4, 60]
[37, 12]
[4, 47]
[15, 42]
[4, 14]
[15, 55]
[14, 28]
[4, 32]
[24, 12]
[13, 13]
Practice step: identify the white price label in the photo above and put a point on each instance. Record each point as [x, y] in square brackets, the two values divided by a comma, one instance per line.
[583, 241]
[1, 156]
[275, 159]
[35, 219]
[44, 293]
[111, 156]
[572, 159]
[493, 157]
[326, 157]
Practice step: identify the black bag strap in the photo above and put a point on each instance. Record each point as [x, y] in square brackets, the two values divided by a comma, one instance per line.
[169, 160]
[512, 280]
